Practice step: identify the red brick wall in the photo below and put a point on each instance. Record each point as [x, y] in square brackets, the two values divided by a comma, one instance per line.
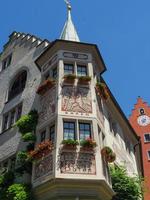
[141, 130]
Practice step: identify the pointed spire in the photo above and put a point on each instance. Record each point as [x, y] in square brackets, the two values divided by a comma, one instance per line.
[69, 32]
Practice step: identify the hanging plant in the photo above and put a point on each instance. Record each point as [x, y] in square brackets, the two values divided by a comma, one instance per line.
[108, 154]
[102, 90]
[27, 123]
[29, 137]
[84, 79]
[111, 158]
[46, 85]
[41, 150]
[69, 78]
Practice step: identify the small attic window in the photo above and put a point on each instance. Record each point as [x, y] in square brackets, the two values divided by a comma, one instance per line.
[141, 110]
[6, 62]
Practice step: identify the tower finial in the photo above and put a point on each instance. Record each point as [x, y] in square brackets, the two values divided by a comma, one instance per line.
[69, 32]
[68, 4]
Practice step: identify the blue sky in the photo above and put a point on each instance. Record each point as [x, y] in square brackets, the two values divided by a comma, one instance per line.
[120, 28]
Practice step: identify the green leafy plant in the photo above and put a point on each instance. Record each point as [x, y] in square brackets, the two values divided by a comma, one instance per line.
[102, 90]
[69, 77]
[126, 187]
[6, 179]
[22, 156]
[29, 137]
[27, 123]
[18, 192]
[84, 79]
[70, 142]
[89, 143]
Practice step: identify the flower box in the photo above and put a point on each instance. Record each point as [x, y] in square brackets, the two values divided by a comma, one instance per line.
[102, 90]
[84, 79]
[69, 78]
[41, 150]
[70, 144]
[46, 85]
[88, 144]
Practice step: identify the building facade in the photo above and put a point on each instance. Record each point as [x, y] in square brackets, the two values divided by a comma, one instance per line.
[140, 121]
[71, 106]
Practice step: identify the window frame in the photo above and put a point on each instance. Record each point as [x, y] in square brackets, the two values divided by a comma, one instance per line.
[141, 113]
[9, 114]
[50, 133]
[69, 128]
[90, 128]
[6, 62]
[148, 155]
[82, 66]
[43, 132]
[5, 125]
[20, 80]
[145, 141]
[69, 65]
[54, 72]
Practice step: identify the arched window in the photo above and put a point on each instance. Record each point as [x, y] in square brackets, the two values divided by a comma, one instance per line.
[18, 85]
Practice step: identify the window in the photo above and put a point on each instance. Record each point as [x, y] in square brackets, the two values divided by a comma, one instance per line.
[6, 62]
[68, 69]
[54, 72]
[43, 135]
[147, 137]
[19, 111]
[114, 128]
[81, 70]
[84, 130]
[69, 130]
[5, 122]
[52, 133]
[46, 76]
[142, 111]
[148, 153]
[18, 85]
[11, 117]
[110, 123]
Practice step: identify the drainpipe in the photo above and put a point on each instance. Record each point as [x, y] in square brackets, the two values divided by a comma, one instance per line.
[141, 155]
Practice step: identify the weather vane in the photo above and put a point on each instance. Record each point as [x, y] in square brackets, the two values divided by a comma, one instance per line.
[68, 4]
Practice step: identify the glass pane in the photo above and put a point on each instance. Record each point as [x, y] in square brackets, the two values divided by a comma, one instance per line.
[72, 125]
[81, 126]
[43, 135]
[87, 126]
[66, 125]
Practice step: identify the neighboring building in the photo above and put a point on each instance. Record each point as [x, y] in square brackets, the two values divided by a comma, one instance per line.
[71, 109]
[140, 121]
